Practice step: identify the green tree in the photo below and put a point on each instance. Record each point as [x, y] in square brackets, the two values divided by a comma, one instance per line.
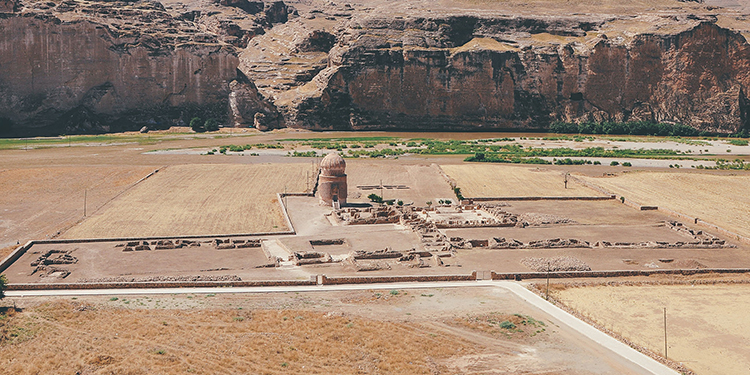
[211, 125]
[197, 125]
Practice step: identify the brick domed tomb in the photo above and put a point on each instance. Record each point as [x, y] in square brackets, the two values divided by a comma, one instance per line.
[332, 181]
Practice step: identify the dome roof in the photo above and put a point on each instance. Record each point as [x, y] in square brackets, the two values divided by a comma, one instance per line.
[333, 165]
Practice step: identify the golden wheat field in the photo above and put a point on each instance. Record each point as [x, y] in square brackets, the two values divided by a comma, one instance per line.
[199, 199]
[493, 180]
[707, 325]
[37, 202]
[75, 338]
[718, 199]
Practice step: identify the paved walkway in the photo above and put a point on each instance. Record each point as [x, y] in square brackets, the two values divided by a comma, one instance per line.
[640, 363]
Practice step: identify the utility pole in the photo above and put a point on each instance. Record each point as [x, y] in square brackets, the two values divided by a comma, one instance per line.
[665, 332]
[547, 294]
[381, 190]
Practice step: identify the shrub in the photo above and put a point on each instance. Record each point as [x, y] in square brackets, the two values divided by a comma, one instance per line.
[375, 198]
[597, 162]
[507, 325]
[627, 164]
[614, 163]
[457, 191]
[400, 203]
[211, 125]
[197, 125]
[3, 285]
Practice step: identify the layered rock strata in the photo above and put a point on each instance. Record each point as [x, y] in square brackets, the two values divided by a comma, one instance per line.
[71, 66]
[469, 73]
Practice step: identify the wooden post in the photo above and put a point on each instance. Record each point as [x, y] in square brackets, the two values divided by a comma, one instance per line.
[665, 332]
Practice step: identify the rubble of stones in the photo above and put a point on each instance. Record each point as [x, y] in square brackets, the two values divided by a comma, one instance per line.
[327, 242]
[369, 215]
[699, 237]
[62, 257]
[122, 279]
[510, 243]
[302, 258]
[555, 264]
[218, 244]
[382, 259]
[43, 266]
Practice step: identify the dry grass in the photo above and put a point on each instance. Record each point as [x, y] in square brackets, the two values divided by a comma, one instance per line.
[706, 324]
[718, 199]
[40, 201]
[199, 199]
[53, 338]
[492, 180]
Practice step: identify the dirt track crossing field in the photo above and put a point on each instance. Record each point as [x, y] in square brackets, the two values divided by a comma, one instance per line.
[198, 199]
[718, 199]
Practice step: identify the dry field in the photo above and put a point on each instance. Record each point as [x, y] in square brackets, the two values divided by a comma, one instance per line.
[718, 199]
[198, 199]
[707, 328]
[51, 339]
[424, 181]
[38, 202]
[492, 180]
[416, 331]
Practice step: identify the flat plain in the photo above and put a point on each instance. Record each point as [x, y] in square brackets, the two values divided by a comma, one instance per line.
[199, 199]
[493, 180]
[415, 331]
[423, 180]
[719, 199]
[37, 202]
[707, 328]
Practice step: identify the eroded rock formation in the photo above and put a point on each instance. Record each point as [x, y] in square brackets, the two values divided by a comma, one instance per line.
[467, 73]
[70, 66]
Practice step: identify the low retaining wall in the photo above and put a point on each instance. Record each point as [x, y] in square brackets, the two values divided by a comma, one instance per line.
[162, 284]
[487, 199]
[584, 274]
[13, 256]
[394, 279]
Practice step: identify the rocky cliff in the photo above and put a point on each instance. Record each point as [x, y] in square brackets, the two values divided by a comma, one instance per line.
[500, 73]
[71, 66]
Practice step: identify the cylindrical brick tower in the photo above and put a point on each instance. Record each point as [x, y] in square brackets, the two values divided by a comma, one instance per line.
[332, 180]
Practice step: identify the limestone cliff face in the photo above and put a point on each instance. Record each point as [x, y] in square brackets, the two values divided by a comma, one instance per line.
[77, 76]
[466, 73]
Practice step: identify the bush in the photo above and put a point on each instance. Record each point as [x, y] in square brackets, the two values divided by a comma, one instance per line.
[375, 198]
[197, 125]
[400, 203]
[457, 191]
[627, 164]
[211, 125]
[614, 163]
[507, 325]
[3, 285]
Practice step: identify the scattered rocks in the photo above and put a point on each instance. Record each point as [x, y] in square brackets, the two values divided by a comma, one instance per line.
[564, 263]
[122, 279]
